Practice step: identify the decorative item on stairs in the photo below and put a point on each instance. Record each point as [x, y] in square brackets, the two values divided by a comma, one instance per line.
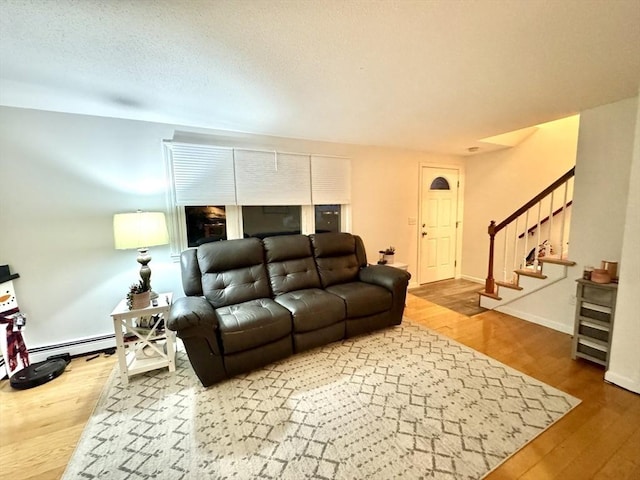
[139, 296]
[544, 248]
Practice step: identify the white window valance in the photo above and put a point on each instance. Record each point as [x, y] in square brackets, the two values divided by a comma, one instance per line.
[202, 174]
[272, 178]
[331, 180]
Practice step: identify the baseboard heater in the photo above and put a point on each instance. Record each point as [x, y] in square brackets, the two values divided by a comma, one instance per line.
[74, 348]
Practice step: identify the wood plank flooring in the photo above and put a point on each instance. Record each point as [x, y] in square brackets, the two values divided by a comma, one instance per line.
[40, 427]
[600, 439]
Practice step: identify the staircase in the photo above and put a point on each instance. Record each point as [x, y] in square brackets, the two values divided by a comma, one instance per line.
[532, 244]
[525, 282]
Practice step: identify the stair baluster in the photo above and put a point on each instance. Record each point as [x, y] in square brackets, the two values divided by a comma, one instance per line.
[504, 261]
[564, 213]
[535, 249]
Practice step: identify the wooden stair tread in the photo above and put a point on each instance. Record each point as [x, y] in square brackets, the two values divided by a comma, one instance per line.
[530, 273]
[557, 261]
[508, 285]
[490, 295]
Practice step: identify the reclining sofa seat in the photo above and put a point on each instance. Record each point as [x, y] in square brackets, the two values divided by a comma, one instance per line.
[243, 327]
[318, 317]
[251, 302]
[340, 259]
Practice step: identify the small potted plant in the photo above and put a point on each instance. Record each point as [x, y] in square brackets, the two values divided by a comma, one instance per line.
[138, 296]
[389, 254]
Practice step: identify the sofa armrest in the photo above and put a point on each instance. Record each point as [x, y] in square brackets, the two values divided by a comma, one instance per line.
[190, 312]
[393, 279]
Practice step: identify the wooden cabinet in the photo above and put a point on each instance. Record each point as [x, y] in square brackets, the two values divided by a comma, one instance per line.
[595, 313]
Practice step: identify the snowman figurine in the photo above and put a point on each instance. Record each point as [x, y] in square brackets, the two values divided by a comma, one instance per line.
[14, 350]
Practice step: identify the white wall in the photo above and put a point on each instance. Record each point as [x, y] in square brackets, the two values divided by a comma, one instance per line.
[624, 364]
[65, 175]
[386, 194]
[601, 184]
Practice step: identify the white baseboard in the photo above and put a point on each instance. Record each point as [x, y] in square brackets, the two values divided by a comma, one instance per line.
[413, 284]
[622, 381]
[73, 348]
[560, 327]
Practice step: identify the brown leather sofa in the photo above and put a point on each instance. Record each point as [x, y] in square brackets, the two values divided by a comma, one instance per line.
[250, 302]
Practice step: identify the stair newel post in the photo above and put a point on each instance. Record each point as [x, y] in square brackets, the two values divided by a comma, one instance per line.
[515, 247]
[548, 247]
[489, 284]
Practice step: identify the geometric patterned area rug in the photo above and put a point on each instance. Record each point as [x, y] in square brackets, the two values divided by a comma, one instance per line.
[405, 402]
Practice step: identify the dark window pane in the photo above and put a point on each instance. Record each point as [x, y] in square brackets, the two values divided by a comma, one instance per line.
[269, 221]
[440, 183]
[205, 224]
[327, 218]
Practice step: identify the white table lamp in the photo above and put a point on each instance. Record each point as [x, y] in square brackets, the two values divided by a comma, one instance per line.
[140, 230]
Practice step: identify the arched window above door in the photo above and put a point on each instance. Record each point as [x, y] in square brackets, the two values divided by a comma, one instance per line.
[440, 183]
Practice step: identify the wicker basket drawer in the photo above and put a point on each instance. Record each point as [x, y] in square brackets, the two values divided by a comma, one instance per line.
[598, 295]
[594, 332]
[592, 352]
[595, 314]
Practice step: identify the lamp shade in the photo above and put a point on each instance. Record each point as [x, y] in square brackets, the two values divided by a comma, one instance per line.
[139, 230]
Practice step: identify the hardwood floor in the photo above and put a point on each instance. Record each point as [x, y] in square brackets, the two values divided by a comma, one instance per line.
[599, 439]
[40, 427]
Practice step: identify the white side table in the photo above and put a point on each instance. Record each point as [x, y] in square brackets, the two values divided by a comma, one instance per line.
[142, 341]
[401, 266]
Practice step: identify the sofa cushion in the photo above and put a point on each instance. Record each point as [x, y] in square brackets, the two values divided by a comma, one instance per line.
[336, 258]
[312, 308]
[252, 324]
[233, 271]
[362, 298]
[290, 263]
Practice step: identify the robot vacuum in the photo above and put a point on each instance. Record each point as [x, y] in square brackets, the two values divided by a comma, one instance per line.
[38, 373]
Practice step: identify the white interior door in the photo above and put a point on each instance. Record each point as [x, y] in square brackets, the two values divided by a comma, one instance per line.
[438, 222]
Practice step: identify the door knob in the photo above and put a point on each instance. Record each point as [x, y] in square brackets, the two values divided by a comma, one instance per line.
[424, 234]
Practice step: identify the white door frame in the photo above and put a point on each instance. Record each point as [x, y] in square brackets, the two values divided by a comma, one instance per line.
[459, 215]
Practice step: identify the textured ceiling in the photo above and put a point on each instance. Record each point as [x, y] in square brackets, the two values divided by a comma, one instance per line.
[428, 75]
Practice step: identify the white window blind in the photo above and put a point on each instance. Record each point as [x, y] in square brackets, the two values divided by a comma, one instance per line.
[331, 180]
[270, 178]
[202, 174]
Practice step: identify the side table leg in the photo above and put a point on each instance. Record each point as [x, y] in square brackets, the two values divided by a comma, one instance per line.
[122, 357]
[171, 350]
